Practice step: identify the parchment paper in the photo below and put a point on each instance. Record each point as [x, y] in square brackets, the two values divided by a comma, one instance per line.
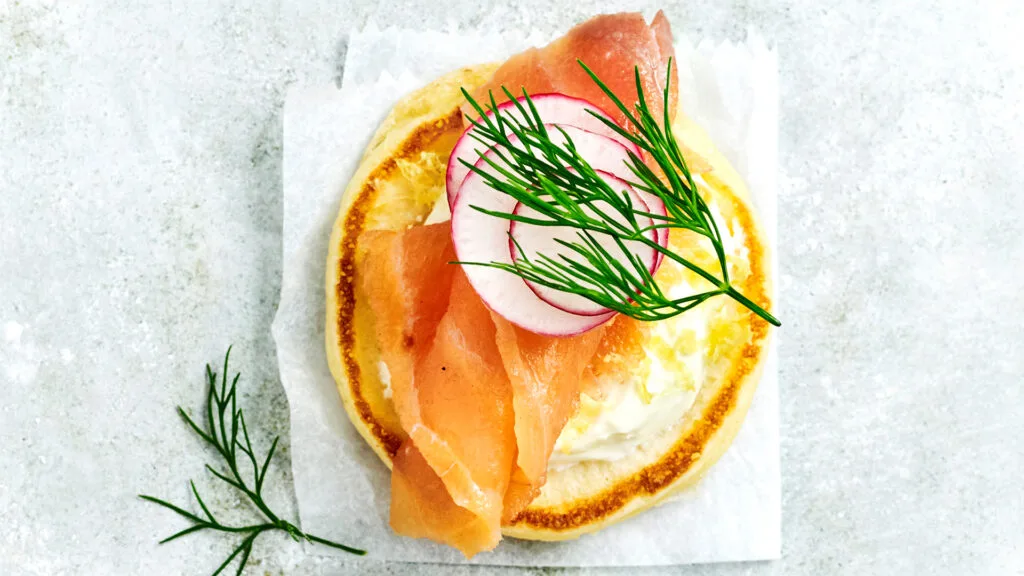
[341, 486]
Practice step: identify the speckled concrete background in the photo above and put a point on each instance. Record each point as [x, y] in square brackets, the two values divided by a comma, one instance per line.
[140, 217]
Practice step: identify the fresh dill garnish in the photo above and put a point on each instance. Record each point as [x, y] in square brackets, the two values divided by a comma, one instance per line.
[223, 422]
[555, 181]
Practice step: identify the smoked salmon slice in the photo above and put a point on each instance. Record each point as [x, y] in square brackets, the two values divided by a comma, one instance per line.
[458, 414]
[483, 401]
[611, 45]
[450, 391]
[421, 506]
[545, 375]
[407, 278]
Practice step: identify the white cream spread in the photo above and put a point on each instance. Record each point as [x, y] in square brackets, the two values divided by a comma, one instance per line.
[677, 355]
[385, 377]
[441, 211]
[651, 402]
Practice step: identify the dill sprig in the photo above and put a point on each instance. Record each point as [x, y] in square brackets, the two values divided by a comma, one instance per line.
[226, 432]
[561, 186]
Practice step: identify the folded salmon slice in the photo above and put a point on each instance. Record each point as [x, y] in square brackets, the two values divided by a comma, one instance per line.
[452, 397]
[545, 375]
[464, 427]
[481, 400]
[449, 388]
[611, 45]
[406, 307]
[421, 506]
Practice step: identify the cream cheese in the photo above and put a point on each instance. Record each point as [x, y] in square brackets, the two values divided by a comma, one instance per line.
[440, 212]
[633, 413]
[385, 378]
[636, 411]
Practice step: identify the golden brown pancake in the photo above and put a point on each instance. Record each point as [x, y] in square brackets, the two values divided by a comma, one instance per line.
[401, 175]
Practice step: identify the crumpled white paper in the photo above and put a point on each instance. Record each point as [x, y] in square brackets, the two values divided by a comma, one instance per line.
[341, 486]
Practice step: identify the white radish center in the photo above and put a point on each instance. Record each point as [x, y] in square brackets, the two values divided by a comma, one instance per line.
[535, 242]
[480, 237]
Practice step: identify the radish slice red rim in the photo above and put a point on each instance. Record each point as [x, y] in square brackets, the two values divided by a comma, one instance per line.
[656, 205]
[553, 109]
[480, 237]
[535, 241]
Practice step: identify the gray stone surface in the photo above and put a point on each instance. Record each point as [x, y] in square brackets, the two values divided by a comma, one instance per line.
[140, 217]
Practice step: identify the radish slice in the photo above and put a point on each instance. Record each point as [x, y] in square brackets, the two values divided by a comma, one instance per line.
[479, 237]
[553, 109]
[535, 241]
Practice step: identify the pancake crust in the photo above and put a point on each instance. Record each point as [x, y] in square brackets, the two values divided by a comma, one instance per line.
[399, 179]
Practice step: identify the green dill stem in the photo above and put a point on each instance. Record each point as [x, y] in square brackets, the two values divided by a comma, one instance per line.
[753, 306]
[227, 447]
